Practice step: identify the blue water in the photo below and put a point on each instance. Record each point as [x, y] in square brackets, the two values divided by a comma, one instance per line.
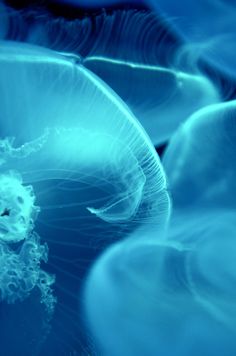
[117, 178]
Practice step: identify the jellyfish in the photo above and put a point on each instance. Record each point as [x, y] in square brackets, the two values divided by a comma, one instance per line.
[21, 274]
[175, 295]
[199, 159]
[161, 98]
[138, 62]
[210, 265]
[207, 26]
[96, 35]
[57, 130]
[93, 169]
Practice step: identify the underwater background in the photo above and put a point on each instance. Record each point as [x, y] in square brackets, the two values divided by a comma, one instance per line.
[117, 178]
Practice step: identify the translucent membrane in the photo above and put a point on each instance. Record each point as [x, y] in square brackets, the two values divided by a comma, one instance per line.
[139, 62]
[172, 296]
[161, 98]
[66, 123]
[92, 168]
[199, 160]
[143, 37]
[210, 237]
[207, 25]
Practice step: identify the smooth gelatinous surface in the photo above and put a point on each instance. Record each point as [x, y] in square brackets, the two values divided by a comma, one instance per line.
[141, 64]
[92, 167]
[57, 123]
[174, 295]
[208, 25]
[161, 98]
[200, 159]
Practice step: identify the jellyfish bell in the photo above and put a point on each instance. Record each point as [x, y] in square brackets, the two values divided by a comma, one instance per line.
[142, 37]
[140, 294]
[160, 97]
[126, 282]
[141, 68]
[208, 140]
[93, 169]
[209, 236]
[52, 118]
[216, 33]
